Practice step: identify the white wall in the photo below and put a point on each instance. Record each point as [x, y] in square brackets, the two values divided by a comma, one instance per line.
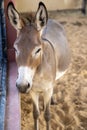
[31, 5]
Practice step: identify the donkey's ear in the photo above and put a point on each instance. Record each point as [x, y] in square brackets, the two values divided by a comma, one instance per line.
[41, 16]
[13, 16]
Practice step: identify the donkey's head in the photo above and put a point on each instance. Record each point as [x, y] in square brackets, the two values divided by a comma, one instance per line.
[28, 47]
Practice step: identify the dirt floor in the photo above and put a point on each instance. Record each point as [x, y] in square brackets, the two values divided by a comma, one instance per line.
[70, 91]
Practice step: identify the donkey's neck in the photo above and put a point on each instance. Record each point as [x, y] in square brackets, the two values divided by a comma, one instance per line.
[47, 66]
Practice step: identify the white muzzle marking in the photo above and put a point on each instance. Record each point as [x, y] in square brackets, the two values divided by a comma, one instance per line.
[25, 75]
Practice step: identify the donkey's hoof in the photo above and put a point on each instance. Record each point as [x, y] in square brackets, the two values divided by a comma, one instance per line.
[53, 102]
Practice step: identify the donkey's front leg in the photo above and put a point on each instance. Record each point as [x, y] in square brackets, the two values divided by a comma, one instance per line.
[35, 97]
[47, 99]
[35, 115]
[47, 116]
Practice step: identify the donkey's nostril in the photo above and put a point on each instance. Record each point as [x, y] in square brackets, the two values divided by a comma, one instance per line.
[17, 85]
[28, 85]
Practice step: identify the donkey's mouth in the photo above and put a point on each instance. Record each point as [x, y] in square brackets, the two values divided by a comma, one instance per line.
[23, 89]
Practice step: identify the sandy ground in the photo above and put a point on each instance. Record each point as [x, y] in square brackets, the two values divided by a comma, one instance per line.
[70, 91]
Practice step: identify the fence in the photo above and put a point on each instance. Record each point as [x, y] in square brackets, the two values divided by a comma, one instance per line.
[2, 65]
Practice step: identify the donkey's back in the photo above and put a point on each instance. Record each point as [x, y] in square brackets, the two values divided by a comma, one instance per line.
[54, 33]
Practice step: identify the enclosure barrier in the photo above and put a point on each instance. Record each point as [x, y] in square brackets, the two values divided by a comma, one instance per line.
[3, 66]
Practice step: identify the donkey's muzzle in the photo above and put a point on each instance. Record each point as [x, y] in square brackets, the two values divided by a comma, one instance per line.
[23, 88]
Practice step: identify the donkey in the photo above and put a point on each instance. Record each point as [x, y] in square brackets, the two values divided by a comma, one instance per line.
[42, 56]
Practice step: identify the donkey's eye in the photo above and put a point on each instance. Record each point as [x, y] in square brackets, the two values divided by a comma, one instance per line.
[15, 49]
[38, 51]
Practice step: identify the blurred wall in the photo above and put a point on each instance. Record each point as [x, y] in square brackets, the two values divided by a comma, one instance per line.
[31, 5]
